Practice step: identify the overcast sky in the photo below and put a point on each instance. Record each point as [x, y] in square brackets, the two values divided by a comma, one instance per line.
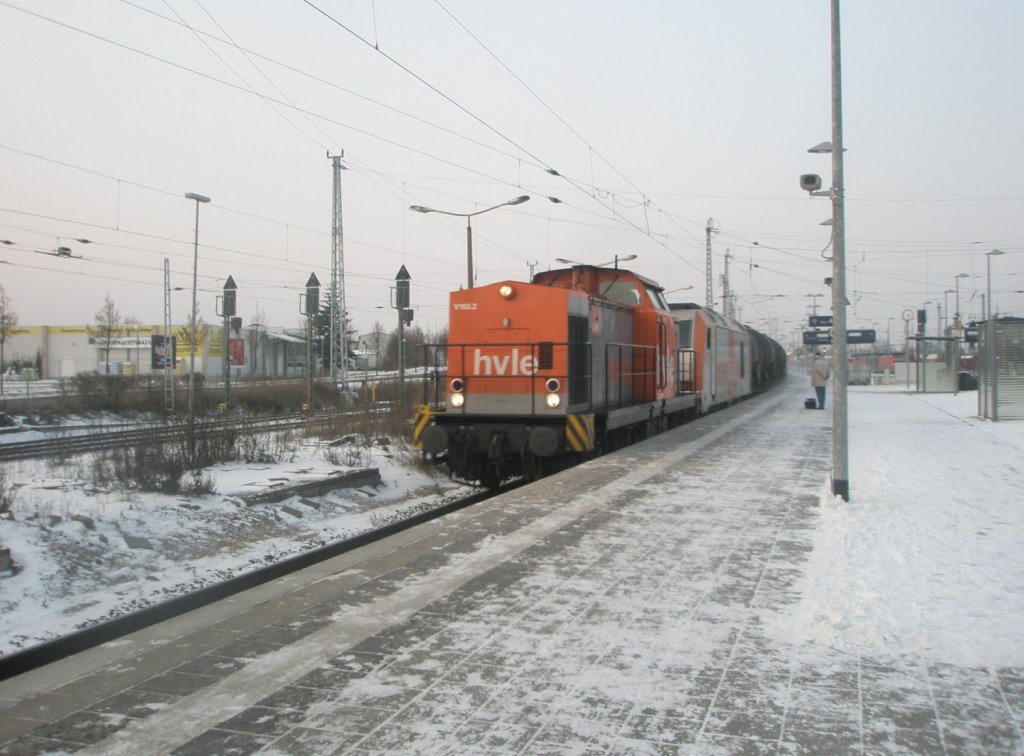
[656, 115]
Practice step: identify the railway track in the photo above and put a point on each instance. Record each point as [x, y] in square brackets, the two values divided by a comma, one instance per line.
[51, 651]
[73, 441]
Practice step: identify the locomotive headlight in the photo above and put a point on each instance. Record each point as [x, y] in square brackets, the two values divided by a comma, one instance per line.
[457, 400]
[506, 291]
[553, 400]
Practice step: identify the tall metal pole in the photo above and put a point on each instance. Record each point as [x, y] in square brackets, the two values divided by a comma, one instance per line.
[709, 280]
[169, 352]
[469, 253]
[840, 414]
[988, 266]
[339, 333]
[5, 322]
[199, 198]
[310, 306]
[727, 305]
[228, 312]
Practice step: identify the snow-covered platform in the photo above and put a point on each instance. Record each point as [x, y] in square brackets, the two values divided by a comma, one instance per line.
[697, 593]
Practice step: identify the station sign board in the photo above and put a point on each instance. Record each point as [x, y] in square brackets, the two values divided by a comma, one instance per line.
[864, 336]
[820, 321]
[816, 338]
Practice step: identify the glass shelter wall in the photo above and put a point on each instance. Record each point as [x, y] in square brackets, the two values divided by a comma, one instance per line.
[936, 364]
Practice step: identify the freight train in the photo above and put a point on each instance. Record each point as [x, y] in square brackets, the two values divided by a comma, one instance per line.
[537, 375]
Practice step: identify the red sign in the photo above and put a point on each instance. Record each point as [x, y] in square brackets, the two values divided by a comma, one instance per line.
[236, 351]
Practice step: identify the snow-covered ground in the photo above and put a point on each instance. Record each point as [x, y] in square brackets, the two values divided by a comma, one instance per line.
[925, 558]
[86, 553]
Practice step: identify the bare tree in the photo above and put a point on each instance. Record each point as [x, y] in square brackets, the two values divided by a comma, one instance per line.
[108, 326]
[183, 335]
[8, 320]
[377, 340]
[132, 328]
[257, 327]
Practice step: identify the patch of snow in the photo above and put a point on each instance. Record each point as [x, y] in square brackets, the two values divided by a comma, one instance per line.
[73, 576]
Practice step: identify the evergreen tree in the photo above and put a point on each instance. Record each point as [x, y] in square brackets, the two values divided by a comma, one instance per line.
[322, 331]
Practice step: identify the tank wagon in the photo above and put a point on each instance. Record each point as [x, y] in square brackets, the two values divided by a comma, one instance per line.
[581, 360]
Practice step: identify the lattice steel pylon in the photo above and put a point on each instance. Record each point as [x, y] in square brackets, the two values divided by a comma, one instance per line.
[339, 335]
[728, 299]
[709, 280]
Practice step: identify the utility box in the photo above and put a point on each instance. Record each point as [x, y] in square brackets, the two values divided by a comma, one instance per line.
[1001, 370]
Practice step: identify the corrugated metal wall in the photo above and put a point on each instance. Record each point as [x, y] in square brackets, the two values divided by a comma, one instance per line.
[1001, 370]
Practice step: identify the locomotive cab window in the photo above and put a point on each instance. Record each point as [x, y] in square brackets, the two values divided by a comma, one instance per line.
[685, 328]
[624, 292]
[657, 299]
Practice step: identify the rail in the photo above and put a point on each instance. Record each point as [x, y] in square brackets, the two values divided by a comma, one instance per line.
[82, 440]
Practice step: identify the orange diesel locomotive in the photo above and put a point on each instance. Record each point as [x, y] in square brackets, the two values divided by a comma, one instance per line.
[581, 360]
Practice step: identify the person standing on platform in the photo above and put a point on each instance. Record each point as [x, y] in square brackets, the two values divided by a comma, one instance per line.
[821, 371]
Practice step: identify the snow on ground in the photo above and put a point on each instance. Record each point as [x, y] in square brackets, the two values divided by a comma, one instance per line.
[87, 554]
[926, 557]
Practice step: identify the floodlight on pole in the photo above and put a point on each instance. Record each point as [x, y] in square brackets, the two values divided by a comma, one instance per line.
[469, 228]
[988, 267]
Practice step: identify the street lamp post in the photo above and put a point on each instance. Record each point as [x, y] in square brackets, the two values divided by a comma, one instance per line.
[469, 228]
[812, 183]
[945, 308]
[615, 262]
[199, 199]
[988, 266]
[956, 316]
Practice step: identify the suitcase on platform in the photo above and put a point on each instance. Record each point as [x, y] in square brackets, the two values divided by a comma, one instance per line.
[810, 403]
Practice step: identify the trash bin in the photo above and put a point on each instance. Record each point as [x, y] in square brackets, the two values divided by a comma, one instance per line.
[967, 382]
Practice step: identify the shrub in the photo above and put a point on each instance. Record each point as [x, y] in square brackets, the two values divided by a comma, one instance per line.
[6, 494]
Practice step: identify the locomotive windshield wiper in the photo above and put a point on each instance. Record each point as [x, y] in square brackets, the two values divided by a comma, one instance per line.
[608, 287]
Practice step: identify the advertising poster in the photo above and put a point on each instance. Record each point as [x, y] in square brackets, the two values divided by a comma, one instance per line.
[236, 351]
[163, 348]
